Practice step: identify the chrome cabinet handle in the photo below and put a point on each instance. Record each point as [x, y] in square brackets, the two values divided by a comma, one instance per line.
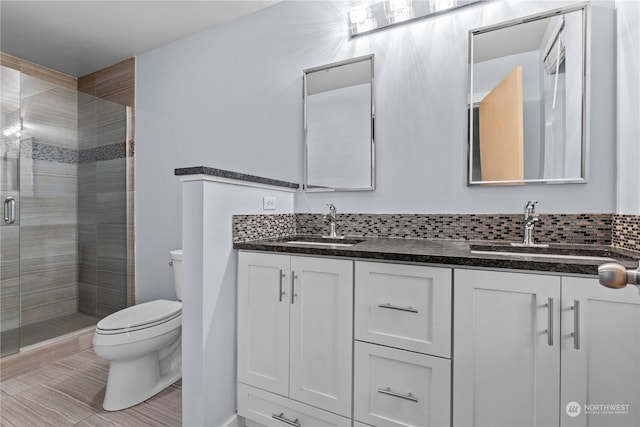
[396, 307]
[280, 417]
[549, 306]
[576, 324]
[389, 392]
[281, 293]
[9, 210]
[293, 286]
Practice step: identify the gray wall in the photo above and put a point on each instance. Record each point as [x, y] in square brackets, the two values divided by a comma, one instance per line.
[628, 55]
[230, 98]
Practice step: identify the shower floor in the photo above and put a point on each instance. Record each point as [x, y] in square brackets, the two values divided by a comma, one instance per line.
[52, 328]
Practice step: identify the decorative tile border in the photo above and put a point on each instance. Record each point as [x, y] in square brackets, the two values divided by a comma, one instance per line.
[553, 228]
[102, 153]
[31, 149]
[626, 232]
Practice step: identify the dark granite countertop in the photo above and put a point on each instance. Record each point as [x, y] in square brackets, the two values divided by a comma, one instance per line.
[221, 173]
[457, 253]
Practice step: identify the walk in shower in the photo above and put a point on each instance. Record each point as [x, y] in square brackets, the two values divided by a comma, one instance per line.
[65, 166]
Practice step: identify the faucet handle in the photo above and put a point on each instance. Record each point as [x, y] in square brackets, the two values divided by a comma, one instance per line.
[530, 207]
[331, 206]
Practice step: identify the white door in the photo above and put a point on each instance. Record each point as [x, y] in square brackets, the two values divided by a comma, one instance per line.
[321, 333]
[263, 321]
[600, 354]
[506, 351]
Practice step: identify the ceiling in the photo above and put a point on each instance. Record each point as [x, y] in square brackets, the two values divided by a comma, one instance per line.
[80, 37]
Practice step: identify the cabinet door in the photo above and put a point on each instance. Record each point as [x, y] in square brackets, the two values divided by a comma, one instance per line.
[321, 333]
[263, 321]
[600, 354]
[405, 306]
[401, 388]
[506, 365]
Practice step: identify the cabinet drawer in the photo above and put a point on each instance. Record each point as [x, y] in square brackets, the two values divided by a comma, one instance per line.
[397, 388]
[405, 306]
[270, 409]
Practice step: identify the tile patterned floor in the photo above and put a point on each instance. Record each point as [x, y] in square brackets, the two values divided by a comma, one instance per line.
[70, 393]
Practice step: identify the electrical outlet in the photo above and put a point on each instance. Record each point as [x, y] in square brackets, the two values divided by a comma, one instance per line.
[268, 203]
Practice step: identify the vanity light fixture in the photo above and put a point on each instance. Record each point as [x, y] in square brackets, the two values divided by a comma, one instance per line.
[369, 16]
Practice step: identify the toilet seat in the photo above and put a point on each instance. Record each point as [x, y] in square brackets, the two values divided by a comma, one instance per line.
[141, 316]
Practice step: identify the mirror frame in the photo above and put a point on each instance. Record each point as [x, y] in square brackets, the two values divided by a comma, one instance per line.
[586, 83]
[312, 188]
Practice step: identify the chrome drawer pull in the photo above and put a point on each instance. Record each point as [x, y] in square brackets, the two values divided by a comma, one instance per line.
[549, 331]
[281, 293]
[293, 287]
[576, 324]
[388, 391]
[395, 307]
[280, 417]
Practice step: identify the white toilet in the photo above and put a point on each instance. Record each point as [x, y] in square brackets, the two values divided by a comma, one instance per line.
[143, 344]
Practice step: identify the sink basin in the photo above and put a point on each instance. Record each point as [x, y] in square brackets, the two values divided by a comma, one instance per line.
[321, 241]
[568, 252]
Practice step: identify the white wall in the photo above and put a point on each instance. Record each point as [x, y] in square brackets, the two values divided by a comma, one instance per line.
[230, 98]
[628, 35]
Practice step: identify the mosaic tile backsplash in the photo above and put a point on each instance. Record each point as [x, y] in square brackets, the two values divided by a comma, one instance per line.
[599, 229]
[626, 232]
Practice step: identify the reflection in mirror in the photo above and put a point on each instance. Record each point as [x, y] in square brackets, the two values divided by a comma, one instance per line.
[338, 126]
[527, 101]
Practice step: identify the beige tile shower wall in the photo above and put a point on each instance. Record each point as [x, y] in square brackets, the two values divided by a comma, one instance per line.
[106, 191]
[48, 192]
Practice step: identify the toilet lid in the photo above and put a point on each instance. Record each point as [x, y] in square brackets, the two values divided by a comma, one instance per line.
[141, 315]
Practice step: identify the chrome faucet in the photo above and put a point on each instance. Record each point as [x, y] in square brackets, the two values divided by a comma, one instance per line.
[530, 220]
[331, 217]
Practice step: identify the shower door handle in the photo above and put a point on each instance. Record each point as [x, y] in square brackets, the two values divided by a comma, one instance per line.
[9, 210]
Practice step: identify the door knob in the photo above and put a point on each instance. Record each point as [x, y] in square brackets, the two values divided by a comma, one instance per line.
[616, 276]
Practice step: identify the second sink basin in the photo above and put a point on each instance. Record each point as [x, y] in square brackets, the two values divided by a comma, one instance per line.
[566, 252]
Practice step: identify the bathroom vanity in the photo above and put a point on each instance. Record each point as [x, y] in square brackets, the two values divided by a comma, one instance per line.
[392, 332]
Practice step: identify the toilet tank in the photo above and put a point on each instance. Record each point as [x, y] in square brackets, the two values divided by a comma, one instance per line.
[176, 262]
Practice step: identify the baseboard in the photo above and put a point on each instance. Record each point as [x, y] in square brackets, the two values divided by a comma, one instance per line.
[234, 421]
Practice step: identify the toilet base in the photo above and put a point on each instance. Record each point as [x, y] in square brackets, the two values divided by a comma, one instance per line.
[134, 381]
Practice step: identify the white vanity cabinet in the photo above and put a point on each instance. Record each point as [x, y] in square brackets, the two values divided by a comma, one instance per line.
[295, 325]
[519, 358]
[402, 370]
[600, 354]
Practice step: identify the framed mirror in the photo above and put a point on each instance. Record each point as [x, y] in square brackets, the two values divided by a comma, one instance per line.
[339, 149]
[528, 100]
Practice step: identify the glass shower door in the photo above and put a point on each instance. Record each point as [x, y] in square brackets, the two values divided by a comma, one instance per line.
[10, 123]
